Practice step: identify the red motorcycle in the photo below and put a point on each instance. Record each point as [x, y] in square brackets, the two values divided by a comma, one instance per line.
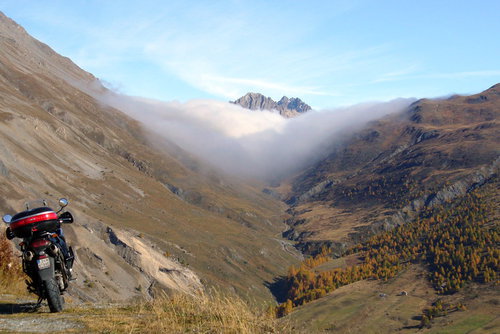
[46, 258]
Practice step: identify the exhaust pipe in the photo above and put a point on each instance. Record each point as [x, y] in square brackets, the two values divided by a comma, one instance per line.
[28, 255]
[53, 249]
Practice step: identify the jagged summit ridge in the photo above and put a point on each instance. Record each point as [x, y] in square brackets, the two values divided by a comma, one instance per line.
[287, 107]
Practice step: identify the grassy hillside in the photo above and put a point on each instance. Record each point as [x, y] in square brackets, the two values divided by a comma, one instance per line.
[373, 306]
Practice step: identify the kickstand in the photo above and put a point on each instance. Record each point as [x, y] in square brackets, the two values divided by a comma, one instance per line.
[35, 307]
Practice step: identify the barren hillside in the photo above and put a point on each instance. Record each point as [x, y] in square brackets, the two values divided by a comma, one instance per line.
[145, 216]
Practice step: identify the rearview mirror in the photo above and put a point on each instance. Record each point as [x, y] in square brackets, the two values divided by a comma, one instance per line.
[63, 202]
[7, 219]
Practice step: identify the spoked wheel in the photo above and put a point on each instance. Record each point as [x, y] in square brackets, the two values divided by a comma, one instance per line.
[54, 297]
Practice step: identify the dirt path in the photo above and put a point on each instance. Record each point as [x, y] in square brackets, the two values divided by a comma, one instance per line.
[20, 316]
[287, 245]
[289, 248]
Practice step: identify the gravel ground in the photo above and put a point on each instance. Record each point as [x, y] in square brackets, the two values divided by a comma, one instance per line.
[20, 316]
[34, 324]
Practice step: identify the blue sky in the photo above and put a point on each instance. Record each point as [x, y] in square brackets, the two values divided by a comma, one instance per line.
[328, 53]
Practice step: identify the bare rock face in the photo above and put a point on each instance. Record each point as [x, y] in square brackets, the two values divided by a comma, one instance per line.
[117, 265]
[256, 101]
[287, 107]
[293, 106]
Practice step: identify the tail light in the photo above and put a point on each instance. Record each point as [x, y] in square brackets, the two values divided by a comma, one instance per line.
[40, 243]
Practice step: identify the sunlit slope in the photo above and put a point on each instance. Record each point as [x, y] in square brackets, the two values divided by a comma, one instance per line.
[385, 175]
[439, 272]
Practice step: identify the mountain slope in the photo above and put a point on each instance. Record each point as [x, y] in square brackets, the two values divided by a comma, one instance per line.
[136, 203]
[395, 168]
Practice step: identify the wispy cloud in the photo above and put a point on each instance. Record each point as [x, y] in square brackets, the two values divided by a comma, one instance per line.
[227, 52]
[398, 74]
[233, 87]
[227, 65]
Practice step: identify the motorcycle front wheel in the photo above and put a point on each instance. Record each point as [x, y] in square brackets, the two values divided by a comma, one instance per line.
[54, 297]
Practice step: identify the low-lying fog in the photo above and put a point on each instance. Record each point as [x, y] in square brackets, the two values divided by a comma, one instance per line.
[257, 144]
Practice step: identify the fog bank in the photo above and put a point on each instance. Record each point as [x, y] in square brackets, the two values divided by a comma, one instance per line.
[256, 144]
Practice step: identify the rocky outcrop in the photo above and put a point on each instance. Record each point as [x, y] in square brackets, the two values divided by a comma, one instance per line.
[315, 190]
[405, 215]
[3, 170]
[447, 194]
[294, 104]
[114, 264]
[287, 107]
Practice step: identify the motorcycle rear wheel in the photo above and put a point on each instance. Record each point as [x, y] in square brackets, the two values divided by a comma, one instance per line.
[54, 297]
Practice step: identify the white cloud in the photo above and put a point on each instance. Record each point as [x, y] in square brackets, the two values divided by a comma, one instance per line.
[249, 143]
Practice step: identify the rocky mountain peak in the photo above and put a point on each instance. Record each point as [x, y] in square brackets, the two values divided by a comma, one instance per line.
[294, 104]
[287, 107]
[256, 101]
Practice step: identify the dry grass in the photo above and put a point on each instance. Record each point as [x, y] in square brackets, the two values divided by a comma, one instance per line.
[204, 313]
[11, 274]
